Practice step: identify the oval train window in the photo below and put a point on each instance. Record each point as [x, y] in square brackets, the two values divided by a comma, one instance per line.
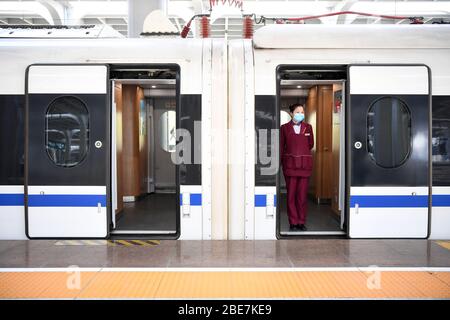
[67, 131]
[389, 132]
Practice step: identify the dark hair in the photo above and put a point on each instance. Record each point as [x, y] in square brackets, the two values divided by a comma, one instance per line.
[292, 107]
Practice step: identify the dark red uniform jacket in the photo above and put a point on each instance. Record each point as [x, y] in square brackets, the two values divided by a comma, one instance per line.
[295, 149]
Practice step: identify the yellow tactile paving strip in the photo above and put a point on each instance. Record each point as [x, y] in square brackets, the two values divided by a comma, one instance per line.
[225, 284]
[444, 244]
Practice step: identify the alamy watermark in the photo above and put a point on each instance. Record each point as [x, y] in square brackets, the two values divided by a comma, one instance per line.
[188, 147]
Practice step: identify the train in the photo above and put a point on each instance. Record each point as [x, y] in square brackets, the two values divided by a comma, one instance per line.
[170, 138]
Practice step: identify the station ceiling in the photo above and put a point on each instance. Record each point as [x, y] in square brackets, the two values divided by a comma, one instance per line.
[226, 20]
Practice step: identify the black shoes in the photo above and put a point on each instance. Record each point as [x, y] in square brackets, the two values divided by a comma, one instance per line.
[297, 227]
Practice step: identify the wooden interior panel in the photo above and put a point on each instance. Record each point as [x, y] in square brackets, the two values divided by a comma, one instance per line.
[311, 117]
[324, 141]
[319, 108]
[130, 129]
[119, 145]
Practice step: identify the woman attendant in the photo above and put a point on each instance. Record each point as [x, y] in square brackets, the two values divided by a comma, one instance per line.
[296, 142]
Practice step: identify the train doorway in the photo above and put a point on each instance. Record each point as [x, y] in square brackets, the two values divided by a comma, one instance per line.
[145, 190]
[322, 93]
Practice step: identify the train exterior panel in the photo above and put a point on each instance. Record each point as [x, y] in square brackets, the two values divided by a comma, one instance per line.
[239, 83]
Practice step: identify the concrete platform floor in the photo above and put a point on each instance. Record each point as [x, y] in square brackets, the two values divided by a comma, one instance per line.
[226, 254]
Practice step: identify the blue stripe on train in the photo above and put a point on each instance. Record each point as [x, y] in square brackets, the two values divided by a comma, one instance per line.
[54, 200]
[441, 200]
[66, 200]
[438, 200]
[11, 199]
[71, 200]
[17, 199]
[382, 201]
[261, 200]
[195, 199]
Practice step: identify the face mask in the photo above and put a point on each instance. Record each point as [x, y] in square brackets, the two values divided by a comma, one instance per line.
[299, 117]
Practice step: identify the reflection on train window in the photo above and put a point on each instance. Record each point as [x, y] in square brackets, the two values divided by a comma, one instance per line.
[388, 132]
[67, 131]
[285, 117]
[167, 127]
[441, 141]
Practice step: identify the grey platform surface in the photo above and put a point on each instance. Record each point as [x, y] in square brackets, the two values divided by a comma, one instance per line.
[231, 253]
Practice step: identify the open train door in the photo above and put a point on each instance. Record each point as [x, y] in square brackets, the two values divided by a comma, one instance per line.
[67, 151]
[388, 151]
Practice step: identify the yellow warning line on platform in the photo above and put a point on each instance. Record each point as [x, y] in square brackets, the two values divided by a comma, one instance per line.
[444, 244]
[224, 284]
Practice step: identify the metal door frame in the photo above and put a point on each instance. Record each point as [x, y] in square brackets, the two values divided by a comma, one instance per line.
[345, 213]
[142, 234]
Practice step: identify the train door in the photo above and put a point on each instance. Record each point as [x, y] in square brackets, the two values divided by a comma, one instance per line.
[389, 152]
[67, 151]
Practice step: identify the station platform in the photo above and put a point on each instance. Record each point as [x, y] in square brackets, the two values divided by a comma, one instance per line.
[294, 269]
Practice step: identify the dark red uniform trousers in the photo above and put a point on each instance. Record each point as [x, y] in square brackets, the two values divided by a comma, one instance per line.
[297, 201]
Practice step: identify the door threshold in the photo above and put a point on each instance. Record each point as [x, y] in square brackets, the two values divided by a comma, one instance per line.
[312, 233]
[143, 232]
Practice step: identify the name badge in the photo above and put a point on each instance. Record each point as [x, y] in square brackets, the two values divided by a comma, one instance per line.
[307, 134]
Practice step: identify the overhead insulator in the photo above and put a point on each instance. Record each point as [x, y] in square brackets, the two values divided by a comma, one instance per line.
[247, 28]
[205, 28]
[186, 30]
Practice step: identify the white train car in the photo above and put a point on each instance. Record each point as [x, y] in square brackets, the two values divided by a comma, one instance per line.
[378, 97]
[64, 168]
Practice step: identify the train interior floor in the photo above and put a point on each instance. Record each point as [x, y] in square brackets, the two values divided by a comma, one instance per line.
[295, 269]
[152, 212]
[320, 217]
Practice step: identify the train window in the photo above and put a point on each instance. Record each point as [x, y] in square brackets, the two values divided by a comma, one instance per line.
[167, 133]
[441, 141]
[388, 132]
[11, 139]
[67, 131]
